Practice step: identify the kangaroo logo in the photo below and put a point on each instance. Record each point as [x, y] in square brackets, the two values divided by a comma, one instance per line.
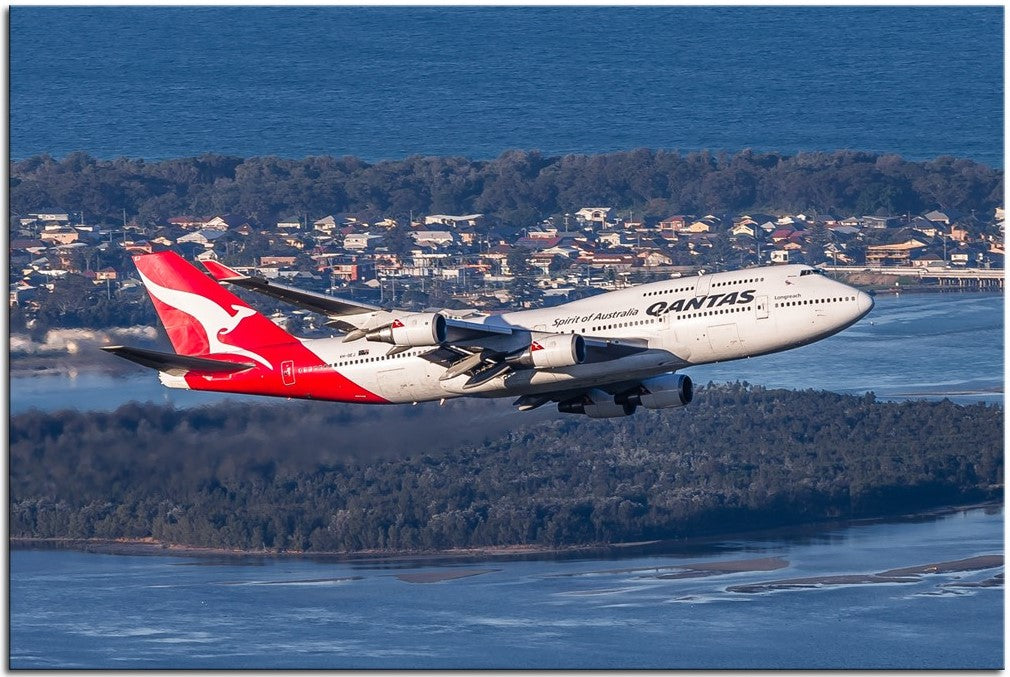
[215, 320]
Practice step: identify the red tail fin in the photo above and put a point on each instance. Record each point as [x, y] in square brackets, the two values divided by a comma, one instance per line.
[201, 317]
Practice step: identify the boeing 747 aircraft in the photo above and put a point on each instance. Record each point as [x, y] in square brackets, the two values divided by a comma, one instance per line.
[601, 356]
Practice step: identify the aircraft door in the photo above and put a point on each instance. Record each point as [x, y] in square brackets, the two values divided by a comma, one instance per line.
[288, 372]
[702, 285]
[761, 308]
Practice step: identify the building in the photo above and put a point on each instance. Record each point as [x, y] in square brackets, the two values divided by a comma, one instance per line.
[594, 216]
[893, 254]
[59, 235]
[359, 241]
[471, 220]
[439, 238]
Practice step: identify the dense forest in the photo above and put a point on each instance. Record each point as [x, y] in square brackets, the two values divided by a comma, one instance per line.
[324, 477]
[517, 189]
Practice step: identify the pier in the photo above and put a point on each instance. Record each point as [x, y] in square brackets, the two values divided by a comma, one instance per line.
[965, 278]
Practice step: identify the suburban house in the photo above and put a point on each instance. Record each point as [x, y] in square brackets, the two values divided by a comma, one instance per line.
[892, 254]
[594, 216]
[439, 238]
[289, 224]
[361, 241]
[472, 220]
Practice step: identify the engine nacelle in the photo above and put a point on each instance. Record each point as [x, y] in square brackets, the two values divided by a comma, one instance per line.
[597, 404]
[664, 392]
[412, 330]
[558, 350]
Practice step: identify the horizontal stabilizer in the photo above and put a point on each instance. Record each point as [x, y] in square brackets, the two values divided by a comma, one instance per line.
[172, 363]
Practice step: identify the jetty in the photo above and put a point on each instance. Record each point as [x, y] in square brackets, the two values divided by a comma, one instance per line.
[965, 278]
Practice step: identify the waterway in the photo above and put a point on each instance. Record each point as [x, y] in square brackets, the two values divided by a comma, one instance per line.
[692, 607]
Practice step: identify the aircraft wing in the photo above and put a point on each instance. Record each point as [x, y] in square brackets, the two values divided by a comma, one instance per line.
[343, 313]
[172, 363]
[318, 303]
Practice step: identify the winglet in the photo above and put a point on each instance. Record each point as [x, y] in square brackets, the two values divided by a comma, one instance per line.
[221, 272]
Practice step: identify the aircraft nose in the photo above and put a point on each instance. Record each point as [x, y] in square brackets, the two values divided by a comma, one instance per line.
[864, 302]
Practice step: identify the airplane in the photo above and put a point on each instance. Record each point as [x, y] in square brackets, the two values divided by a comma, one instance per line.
[602, 356]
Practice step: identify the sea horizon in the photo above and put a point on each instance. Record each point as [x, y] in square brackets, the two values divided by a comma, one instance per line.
[384, 83]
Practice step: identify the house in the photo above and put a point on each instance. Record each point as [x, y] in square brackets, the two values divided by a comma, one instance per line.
[353, 272]
[899, 253]
[187, 222]
[594, 216]
[138, 246]
[50, 216]
[327, 224]
[225, 222]
[292, 240]
[106, 274]
[673, 224]
[928, 259]
[745, 229]
[59, 235]
[439, 238]
[699, 226]
[852, 222]
[278, 260]
[925, 226]
[880, 222]
[957, 233]
[779, 256]
[611, 238]
[360, 241]
[837, 254]
[941, 217]
[471, 220]
[205, 236]
[846, 231]
[289, 224]
[782, 234]
[653, 257]
[28, 245]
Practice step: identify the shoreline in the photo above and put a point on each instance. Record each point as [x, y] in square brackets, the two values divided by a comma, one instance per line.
[622, 550]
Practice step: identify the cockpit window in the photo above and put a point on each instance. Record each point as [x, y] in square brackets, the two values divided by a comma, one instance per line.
[811, 271]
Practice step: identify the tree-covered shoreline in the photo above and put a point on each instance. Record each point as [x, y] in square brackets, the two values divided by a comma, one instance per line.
[740, 458]
[517, 189]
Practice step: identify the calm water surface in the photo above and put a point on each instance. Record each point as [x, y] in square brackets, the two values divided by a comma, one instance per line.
[79, 610]
[389, 82]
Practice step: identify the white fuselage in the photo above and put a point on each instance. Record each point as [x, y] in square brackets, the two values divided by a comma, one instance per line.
[684, 322]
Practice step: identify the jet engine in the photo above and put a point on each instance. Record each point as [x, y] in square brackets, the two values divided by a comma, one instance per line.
[559, 350]
[596, 404]
[413, 330]
[662, 392]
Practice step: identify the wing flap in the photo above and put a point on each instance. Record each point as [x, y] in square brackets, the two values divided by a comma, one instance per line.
[604, 349]
[172, 363]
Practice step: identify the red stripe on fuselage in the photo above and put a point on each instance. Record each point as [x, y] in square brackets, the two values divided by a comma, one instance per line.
[313, 378]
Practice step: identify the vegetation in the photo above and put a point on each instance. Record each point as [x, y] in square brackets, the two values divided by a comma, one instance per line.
[242, 476]
[518, 188]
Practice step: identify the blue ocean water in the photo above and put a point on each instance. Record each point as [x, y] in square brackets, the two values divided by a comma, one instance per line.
[389, 82]
[81, 610]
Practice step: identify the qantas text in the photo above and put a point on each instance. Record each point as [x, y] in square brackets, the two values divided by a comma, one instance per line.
[683, 305]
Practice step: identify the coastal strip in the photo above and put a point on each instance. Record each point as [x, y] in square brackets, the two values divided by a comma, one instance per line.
[911, 574]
